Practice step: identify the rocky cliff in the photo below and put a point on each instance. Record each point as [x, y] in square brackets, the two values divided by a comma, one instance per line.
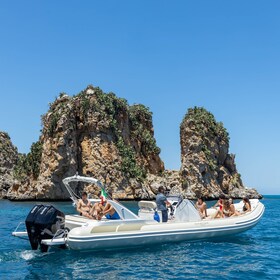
[8, 159]
[94, 134]
[98, 134]
[207, 167]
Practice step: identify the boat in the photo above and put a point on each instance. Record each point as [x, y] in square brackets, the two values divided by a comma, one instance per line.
[48, 227]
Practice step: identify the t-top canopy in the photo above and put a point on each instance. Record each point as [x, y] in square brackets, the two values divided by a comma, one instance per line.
[77, 178]
[123, 212]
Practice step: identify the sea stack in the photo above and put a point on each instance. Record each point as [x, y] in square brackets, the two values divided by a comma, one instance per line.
[94, 134]
[207, 168]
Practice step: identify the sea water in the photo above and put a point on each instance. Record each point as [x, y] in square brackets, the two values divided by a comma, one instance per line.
[254, 254]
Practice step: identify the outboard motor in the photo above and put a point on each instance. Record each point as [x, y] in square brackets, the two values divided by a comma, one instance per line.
[30, 226]
[43, 222]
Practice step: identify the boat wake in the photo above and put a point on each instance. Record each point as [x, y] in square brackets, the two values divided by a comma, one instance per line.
[30, 255]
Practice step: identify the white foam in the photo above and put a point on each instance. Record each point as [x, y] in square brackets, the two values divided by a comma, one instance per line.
[28, 255]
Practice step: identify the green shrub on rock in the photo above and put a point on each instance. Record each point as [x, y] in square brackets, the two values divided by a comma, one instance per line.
[29, 165]
[205, 123]
[114, 112]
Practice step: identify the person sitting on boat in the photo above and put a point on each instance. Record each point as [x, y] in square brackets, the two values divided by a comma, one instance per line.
[162, 204]
[247, 205]
[201, 207]
[84, 206]
[97, 208]
[220, 202]
[233, 211]
[225, 211]
[109, 211]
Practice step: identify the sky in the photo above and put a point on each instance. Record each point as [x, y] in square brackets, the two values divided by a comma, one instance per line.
[167, 55]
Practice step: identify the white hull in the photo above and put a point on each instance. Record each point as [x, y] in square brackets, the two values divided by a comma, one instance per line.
[140, 233]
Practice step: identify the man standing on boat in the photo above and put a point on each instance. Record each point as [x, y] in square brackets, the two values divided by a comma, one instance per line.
[162, 204]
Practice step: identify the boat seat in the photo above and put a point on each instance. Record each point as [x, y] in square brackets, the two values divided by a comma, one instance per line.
[104, 228]
[117, 228]
[77, 218]
[147, 205]
[129, 227]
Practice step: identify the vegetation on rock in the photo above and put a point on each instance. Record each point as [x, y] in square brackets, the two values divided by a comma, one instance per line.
[5, 145]
[29, 165]
[138, 116]
[129, 164]
[205, 124]
[111, 109]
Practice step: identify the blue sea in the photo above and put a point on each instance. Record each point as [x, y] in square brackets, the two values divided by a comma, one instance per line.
[254, 254]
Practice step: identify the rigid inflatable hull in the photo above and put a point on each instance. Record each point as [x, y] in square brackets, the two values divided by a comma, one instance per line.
[149, 234]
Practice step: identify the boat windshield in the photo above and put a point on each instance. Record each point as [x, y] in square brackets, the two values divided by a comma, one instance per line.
[186, 212]
[123, 212]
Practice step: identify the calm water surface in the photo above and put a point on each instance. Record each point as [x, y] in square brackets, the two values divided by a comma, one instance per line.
[254, 254]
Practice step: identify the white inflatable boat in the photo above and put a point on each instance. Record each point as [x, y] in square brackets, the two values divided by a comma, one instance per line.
[46, 226]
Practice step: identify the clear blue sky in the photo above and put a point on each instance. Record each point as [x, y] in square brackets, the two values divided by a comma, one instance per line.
[168, 55]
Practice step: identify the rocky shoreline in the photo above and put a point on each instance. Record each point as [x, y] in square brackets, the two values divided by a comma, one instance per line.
[100, 135]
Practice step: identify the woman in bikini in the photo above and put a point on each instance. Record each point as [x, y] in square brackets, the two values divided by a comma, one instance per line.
[247, 205]
[220, 202]
[225, 211]
[233, 211]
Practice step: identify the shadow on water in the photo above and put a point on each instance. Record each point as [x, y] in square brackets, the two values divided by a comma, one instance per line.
[242, 239]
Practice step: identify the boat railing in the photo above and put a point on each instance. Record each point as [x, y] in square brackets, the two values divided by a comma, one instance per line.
[20, 234]
[60, 233]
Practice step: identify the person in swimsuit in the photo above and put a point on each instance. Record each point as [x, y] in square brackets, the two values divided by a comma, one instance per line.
[84, 206]
[233, 211]
[226, 209]
[223, 211]
[247, 205]
[220, 202]
[201, 207]
[109, 211]
[97, 208]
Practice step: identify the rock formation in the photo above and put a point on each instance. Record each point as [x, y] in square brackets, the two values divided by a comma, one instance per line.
[94, 134]
[207, 168]
[8, 159]
[100, 135]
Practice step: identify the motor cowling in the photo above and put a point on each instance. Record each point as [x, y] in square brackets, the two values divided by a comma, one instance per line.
[43, 222]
